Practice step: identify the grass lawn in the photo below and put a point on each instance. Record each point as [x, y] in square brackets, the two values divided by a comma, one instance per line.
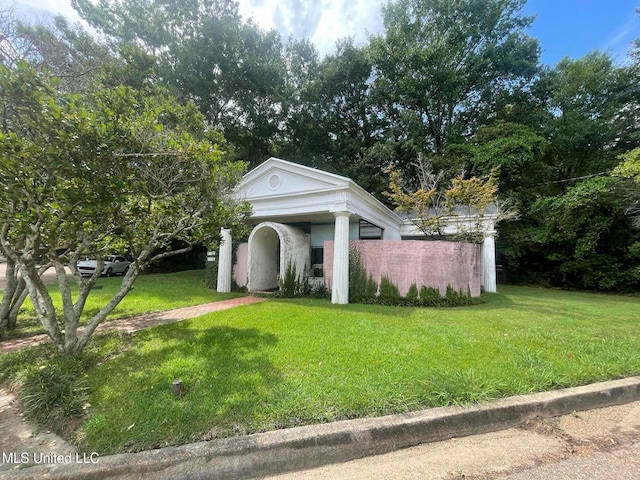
[283, 363]
[151, 293]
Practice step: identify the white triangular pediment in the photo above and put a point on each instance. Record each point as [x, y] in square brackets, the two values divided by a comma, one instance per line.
[276, 177]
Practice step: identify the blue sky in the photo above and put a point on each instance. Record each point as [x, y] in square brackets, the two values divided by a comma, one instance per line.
[564, 27]
[574, 28]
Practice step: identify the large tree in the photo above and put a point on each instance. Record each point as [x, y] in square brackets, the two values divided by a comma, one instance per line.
[586, 97]
[336, 125]
[584, 236]
[84, 175]
[589, 117]
[439, 66]
[234, 71]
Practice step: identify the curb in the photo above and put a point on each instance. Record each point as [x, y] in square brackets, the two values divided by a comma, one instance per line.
[312, 446]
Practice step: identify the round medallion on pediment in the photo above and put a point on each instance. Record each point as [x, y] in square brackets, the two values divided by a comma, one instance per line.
[274, 181]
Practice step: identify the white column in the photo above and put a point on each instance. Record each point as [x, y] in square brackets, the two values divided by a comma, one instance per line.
[340, 287]
[224, 261]
[488, 276]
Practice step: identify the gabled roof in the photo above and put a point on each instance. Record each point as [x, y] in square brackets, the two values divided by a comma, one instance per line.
[280, 188]
[279, 177]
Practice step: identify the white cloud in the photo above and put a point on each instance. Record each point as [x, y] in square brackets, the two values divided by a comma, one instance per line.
[322, 21]
[619, 42]
[44, 8]
[346, 18]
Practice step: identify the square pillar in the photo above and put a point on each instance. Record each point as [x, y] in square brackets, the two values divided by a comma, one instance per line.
[225, 261]
[488, 275]
[340, 287]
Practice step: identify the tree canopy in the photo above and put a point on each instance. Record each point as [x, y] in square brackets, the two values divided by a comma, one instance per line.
[84, 174]
[173, 92]
[440, 64]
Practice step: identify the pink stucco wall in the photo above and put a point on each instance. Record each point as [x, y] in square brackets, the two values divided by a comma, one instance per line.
[425, 263]
[242, 262]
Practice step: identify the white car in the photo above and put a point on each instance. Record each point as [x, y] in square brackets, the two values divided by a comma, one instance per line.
[113, 265]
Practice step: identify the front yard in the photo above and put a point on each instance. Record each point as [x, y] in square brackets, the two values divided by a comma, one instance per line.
[283, 363]
[151, 293]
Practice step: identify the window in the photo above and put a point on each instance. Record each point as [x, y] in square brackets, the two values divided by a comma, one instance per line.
[369, 231]
[317, 261]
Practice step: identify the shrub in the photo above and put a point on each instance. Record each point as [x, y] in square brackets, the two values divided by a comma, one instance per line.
[291, 286]
[389, 293]
[210, 277]
[430, 297]
[53, 393]
[319, 290]
[412, 295]
[362, 287]
[303, 287]
[451, 297]
[288, 283]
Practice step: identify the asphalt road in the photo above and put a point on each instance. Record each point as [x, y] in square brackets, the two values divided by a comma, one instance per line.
[48, 277]
[601, 444]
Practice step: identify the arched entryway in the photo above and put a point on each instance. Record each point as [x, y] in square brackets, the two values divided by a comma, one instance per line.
[272, 248]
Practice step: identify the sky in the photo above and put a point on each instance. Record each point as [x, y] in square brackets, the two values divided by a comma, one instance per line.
[564, 28]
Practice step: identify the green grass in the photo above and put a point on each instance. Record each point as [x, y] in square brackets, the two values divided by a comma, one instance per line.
[284, 363]
[151, 293]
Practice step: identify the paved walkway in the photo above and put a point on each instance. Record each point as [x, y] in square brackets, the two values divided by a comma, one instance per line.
[140, 322]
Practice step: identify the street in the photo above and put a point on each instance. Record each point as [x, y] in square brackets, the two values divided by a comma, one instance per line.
[601, 444]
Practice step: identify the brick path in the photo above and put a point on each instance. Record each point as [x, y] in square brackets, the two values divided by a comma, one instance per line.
[140, 322]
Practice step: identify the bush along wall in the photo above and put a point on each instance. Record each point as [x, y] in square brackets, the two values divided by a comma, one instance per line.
[292, 286]
[210, 277]
[364, 289]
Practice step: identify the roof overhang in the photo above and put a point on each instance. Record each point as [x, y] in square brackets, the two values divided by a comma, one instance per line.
[288, 192]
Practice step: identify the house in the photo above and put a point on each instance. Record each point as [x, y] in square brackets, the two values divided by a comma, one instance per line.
[308, 218]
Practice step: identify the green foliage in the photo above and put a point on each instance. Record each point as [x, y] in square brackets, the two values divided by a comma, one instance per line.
[291, 285]
[362, 287]
[436, 63]
[235, 71]
[431, 207]
[303, 287]
[586, 237]
[210, 276]
[412, 294]
[587, 97]
[110, 169]
[389, 293]
[429, 296]
[336, 126]
[289, 282]
[319, 290]
[515, 150]
[53, 393]
[629, 166]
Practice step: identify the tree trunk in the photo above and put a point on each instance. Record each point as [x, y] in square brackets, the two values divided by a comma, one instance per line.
[42, 302]
[19, 297]
[9, 294]
[14, 296]
[125, 287]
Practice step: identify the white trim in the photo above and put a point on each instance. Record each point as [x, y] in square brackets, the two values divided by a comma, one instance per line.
[331, 193]
[293, 167]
